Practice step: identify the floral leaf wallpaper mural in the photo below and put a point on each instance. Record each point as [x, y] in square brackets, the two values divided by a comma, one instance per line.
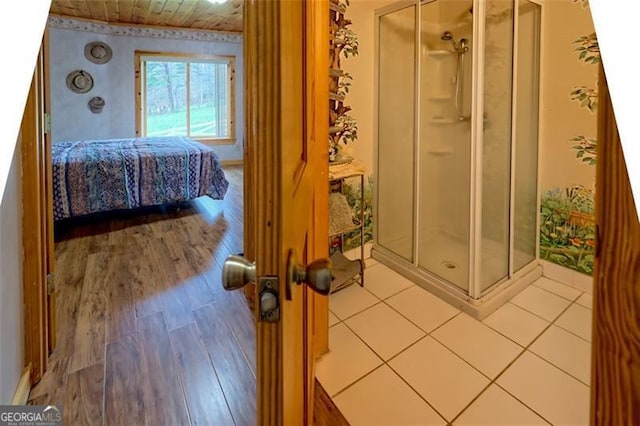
[567, 225]
[587, 46]
[587, 98]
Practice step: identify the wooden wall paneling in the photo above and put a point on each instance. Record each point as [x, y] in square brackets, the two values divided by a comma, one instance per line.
[615, 387]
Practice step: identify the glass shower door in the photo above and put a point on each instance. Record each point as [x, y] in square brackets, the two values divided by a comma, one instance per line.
[526, 143]
[396, 134]
[496, 142]
[445, 140]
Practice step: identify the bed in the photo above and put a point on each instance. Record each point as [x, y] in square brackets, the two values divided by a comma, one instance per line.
[103, 175]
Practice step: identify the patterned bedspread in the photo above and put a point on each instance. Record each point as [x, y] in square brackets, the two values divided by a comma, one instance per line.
[102, 175]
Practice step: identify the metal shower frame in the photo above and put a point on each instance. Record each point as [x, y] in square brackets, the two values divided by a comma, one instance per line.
[412, 270]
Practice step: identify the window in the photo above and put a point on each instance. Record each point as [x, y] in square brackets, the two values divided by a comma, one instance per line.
[184, 95]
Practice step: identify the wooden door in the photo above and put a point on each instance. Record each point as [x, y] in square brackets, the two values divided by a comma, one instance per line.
[286, 187]
[37, 222]
[615, 387]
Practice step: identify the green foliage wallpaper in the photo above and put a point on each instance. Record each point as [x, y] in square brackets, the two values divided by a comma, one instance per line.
[567, 223]
[567, 235]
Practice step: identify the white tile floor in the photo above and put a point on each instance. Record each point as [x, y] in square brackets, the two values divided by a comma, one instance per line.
[401, 356]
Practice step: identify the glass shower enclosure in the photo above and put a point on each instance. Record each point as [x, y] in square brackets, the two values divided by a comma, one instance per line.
[456, 177]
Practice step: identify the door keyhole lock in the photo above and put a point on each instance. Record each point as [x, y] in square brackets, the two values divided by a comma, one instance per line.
[317, 275]
[269, 305]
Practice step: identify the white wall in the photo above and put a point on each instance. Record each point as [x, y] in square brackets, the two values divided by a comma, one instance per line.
[11, 328]
[114, 81]
[20, 39]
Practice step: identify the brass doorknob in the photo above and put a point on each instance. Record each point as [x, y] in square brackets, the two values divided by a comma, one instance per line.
[237, 271]
[317, 275]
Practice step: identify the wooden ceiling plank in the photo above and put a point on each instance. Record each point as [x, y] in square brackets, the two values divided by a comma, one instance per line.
[220, 20]
[183, 12]
[155, 11]
[199, 13]
[140, 11]
[97, 10]
[170, 8]
[81, 7]
[194, 14]
[126, 10]
[113, 10]
[63, 7]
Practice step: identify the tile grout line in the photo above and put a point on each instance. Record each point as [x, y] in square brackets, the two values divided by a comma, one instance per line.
[557, 317]
[525, 349]
[556, 294]
[429, 334]
[386, 362]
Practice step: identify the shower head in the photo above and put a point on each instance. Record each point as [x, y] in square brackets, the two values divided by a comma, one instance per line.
[448, 36]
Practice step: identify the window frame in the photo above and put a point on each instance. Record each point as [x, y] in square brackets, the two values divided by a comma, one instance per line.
[140, 95]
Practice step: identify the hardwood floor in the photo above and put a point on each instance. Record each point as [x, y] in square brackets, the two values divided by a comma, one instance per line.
[146, 334]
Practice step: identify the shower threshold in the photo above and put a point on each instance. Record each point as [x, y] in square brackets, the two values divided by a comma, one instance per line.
[480, 308]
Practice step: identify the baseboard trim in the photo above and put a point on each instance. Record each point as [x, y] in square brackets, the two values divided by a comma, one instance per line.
[231, 162]
[24, 388]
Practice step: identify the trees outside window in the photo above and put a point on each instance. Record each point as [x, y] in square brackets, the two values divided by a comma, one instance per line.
[186, 96]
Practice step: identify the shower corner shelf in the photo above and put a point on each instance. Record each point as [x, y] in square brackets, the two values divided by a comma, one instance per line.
[443, 121]
[344, 270]
[440, 98]
[440, 149]
[439, 53]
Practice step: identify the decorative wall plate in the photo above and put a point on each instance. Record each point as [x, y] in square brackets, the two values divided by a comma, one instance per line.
[96, 104]
[79, 81]
[98, 52]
